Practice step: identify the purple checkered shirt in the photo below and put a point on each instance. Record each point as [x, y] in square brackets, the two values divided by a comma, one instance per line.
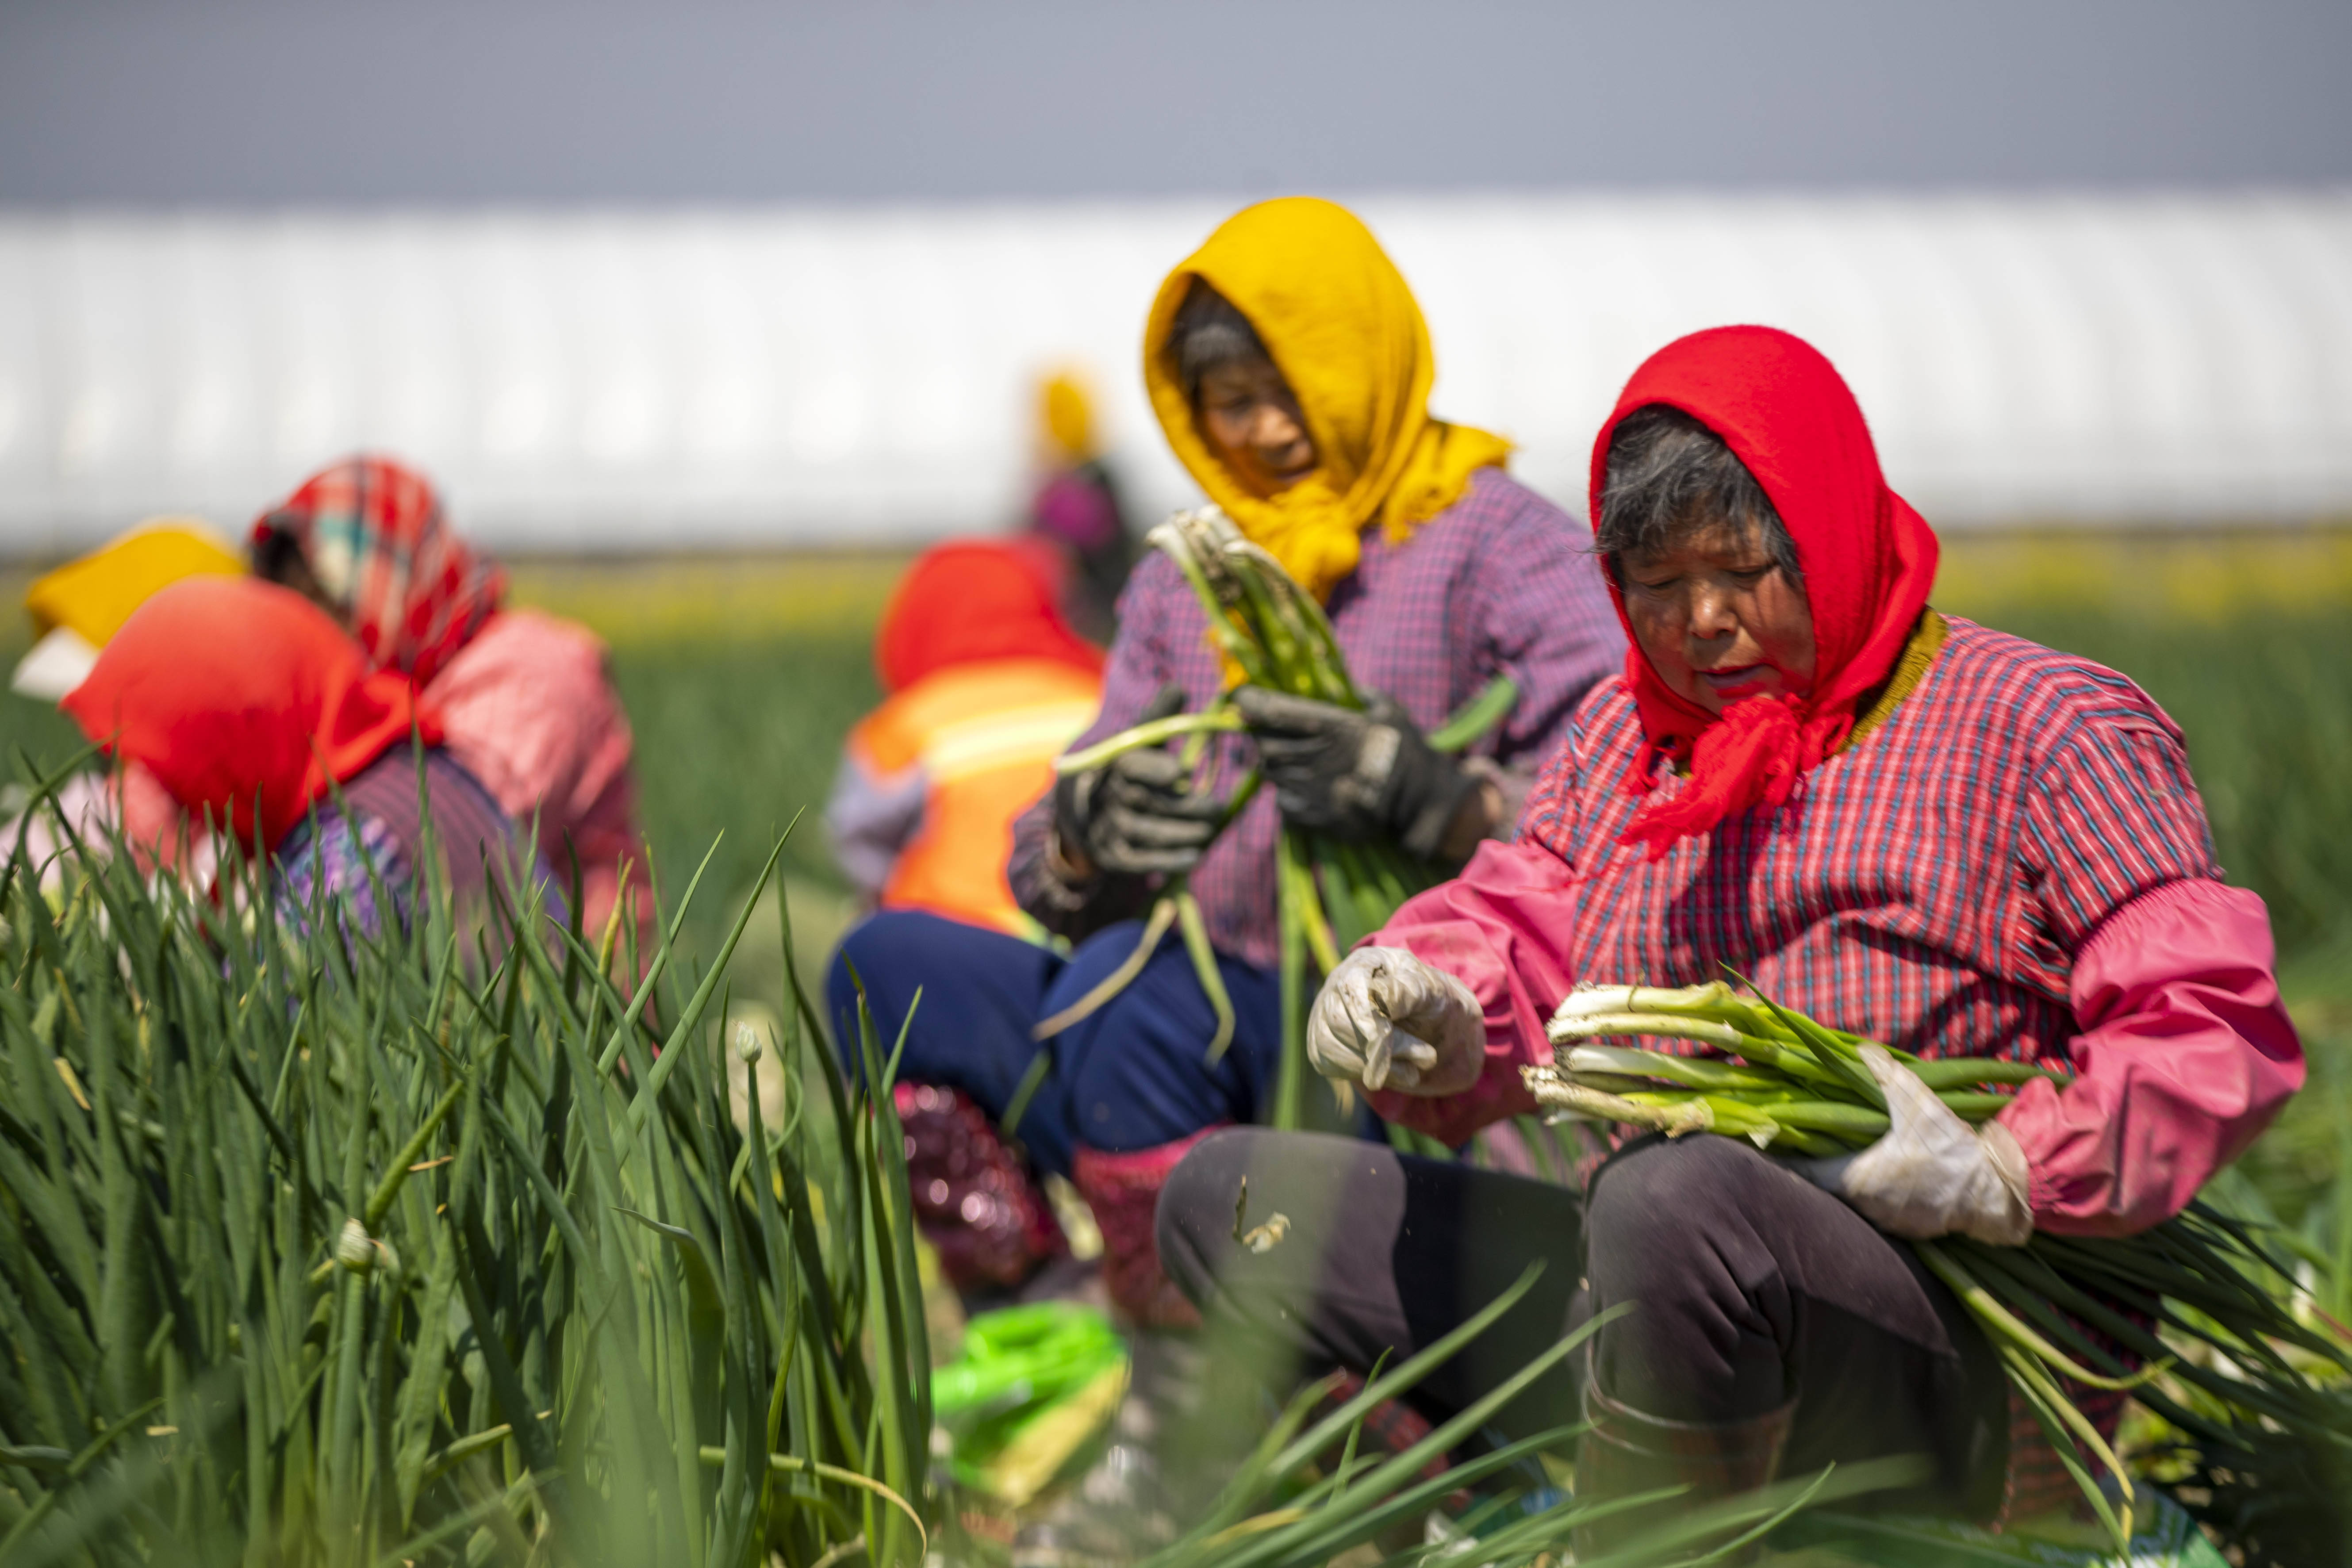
[1502, 582]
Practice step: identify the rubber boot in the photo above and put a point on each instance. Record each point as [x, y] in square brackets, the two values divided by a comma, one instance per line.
[975, 1200]
[1123, 1189]
[1624, 1452]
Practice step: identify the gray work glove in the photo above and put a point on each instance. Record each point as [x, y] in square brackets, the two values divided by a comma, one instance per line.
[1932, 1173]
[1134, 815]
[1386, 1019]
[1354, 773]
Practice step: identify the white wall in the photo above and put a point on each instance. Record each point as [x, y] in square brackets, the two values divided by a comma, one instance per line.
[642, 380]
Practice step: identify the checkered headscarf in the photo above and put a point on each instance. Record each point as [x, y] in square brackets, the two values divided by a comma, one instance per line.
[371, 533]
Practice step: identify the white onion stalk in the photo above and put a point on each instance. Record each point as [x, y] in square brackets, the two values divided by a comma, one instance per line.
[1690, 1072]
[1598, 1025]
[1555, 1089]
[1587, 1000]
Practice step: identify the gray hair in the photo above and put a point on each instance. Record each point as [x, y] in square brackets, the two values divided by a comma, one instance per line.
[1207, 335]
[1669, 477]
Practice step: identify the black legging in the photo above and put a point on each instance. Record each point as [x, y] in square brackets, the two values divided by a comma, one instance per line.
[1750, 1285]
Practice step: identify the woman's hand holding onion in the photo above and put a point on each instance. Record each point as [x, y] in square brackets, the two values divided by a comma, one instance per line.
[1932, 1173]
[1387, 1020]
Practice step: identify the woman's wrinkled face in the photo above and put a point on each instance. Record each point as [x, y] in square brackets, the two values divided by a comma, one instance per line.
[1252, 421]
[1716, 619]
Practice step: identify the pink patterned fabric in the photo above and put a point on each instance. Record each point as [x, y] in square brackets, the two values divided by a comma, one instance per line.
[974, 1200]
[1950, 885]
[1123, 1189]
[527, 709]
[2038, 1483]
[152, 820]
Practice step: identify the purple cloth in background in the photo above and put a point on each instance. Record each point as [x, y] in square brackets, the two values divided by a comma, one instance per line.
[1502, 581]
[871, 819]
[1074, 508]
[331, 857]
[374, 838]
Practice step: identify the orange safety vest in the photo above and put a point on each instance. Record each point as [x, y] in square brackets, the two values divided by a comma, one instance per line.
[985, 735]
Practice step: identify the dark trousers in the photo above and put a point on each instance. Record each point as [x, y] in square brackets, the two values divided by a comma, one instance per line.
[1131, 1076]
[1749, 1286]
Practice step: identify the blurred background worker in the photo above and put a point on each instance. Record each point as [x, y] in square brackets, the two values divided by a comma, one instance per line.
[1077, 506]
[1290, 369]
[524, 698]
[76, 609]
[987, 683]
[255, 712]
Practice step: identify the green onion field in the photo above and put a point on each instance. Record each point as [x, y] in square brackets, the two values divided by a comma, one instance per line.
[434, 1249]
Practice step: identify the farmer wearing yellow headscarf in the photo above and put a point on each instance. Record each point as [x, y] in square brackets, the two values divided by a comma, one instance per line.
[1076, 510]
[1290, 369]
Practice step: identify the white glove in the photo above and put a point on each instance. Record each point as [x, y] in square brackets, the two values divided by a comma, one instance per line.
[1932, 1173]
[1387, 1020]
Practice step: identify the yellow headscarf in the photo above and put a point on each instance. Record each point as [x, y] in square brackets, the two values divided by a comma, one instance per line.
[1067, 415]
[93, 596]
[1342, 327]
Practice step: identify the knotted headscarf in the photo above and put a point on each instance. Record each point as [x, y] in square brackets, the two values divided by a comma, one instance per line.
[974, 599]
[1342, 327]
[372, 531]
[1868, 561]
[246, 700]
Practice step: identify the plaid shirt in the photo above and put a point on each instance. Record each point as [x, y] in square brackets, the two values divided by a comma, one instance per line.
[1501, 582]
[1930, 885]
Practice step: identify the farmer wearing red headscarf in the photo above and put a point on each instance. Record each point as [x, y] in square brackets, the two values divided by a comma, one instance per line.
[986, 685]
[1905, 825]
[525, 698]
[259, 716]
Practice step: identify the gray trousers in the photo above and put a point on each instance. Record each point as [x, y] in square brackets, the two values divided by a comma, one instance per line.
[1749, 1287]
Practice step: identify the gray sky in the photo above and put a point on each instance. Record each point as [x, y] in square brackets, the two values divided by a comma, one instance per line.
[258, 102]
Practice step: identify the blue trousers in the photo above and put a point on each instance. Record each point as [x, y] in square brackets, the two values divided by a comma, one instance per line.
[1131, 1076]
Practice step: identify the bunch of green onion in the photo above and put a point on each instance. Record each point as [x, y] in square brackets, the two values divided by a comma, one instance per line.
[2201, 1301]
[1331, 892]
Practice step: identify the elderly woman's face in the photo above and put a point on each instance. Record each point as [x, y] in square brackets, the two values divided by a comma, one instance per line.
[1252, 421]
[1717, 620]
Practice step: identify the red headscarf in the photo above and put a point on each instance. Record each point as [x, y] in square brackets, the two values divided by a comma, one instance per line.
[1868, 561]
[371, 533]
[231, 690]
[974, 599]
